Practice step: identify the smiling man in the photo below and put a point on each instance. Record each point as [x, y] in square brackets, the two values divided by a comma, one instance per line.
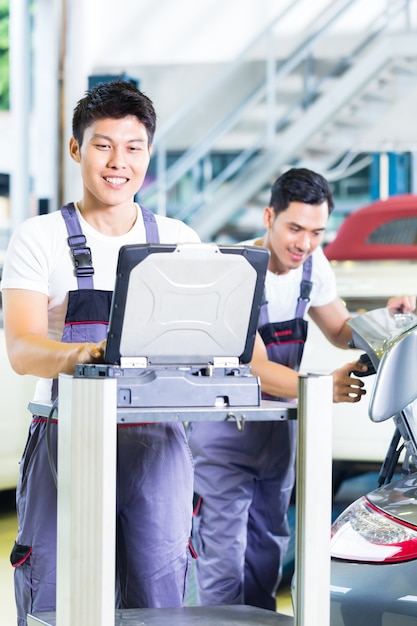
[57, 284]
[245, 478]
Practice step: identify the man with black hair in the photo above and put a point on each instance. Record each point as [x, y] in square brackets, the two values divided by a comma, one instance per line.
[245, 478]
[56, 317]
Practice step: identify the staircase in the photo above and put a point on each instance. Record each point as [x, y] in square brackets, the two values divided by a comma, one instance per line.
[308, 110]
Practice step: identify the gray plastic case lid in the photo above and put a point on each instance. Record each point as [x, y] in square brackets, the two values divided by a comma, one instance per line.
[186, 303]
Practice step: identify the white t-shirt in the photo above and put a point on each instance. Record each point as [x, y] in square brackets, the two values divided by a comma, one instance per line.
[282, 290]
[38, 258]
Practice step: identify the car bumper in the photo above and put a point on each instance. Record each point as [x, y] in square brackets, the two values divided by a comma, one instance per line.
[373, 595]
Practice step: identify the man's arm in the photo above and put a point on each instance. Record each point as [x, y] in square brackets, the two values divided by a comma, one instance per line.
[277, 380]
[281, 381]
[25, 315]
[331, 318]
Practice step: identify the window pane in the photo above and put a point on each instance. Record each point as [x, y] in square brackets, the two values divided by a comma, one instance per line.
[397, 232]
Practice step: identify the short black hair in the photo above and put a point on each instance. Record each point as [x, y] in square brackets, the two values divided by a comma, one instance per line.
[300, 185]
[115, 99]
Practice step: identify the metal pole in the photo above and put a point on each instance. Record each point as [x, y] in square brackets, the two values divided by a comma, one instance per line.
[313, 501]
[45, 127]
[86, 502]
[20, 107]
[161, 169]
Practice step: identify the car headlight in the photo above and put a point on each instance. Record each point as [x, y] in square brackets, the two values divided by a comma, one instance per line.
[365, 533]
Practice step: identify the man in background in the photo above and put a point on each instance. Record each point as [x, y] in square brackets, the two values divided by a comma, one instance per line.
[245, 478]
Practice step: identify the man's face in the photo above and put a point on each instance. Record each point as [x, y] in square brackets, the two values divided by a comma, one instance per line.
[294, 234]
[114, 158]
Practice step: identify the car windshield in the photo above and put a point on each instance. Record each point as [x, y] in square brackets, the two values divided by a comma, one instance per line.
[396, 232]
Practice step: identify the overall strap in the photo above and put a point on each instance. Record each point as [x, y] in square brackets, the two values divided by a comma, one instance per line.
[151, 227]
[305, 288]
[81, 253]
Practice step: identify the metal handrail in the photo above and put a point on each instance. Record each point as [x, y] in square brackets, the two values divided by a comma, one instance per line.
[220, 79]
[167, 178]
[195, 153]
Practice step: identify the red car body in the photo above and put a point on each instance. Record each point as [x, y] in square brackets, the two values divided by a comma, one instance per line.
[385, 229]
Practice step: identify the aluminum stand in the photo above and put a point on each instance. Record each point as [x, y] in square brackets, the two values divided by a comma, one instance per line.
[87, 496]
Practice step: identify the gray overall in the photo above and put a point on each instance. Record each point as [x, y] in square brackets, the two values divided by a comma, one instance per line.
[245, 480]
[154, 481]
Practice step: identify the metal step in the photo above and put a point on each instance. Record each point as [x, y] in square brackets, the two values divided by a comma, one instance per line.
[187, 616]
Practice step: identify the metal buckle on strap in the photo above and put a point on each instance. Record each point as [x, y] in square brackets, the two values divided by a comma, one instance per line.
[305, 290]
[81, 255]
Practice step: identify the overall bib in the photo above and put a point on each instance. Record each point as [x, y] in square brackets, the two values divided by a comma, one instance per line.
[154, 480]
[245, 480]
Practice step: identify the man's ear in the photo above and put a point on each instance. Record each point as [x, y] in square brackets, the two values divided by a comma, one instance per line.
[150, 149]
[74, 150]
[268, 217]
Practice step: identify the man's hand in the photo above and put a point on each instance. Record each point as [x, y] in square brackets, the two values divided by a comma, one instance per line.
[402, 304]
[92, 352]
[346, 388]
